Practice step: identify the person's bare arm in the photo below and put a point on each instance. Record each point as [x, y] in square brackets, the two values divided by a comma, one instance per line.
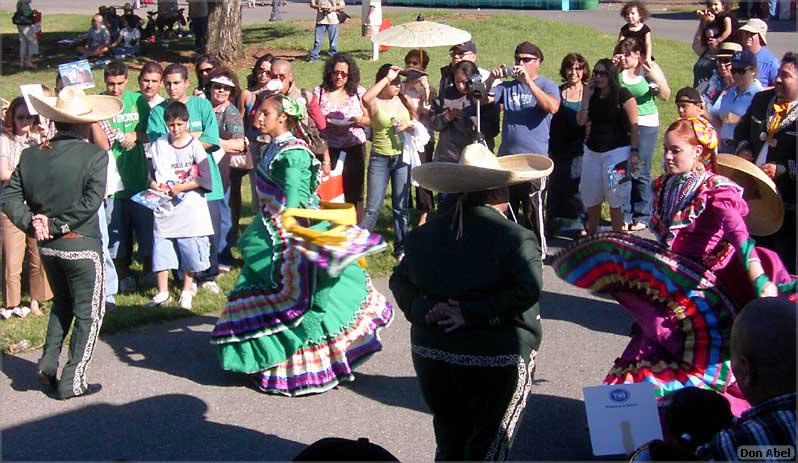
[727, 29]
[6, 169]
[630, 106]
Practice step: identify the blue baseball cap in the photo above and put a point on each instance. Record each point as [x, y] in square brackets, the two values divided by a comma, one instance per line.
[743, 59]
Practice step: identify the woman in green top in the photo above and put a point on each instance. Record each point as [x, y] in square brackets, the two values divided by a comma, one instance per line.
[390, 114]
[293, 328]
[645, 81]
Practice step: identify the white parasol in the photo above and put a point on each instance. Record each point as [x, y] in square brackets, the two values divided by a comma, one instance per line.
[421, 34]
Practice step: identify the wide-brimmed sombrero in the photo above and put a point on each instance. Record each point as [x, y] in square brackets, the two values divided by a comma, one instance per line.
[766, 212]
[75, 107]
[479, 169]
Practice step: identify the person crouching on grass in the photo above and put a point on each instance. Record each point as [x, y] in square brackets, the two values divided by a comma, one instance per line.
[179, 168]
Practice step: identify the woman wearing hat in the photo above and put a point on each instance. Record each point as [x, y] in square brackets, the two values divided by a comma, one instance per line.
[735, 102]
[294, 329]
[685, 289]
[472, 301]
[54, 194]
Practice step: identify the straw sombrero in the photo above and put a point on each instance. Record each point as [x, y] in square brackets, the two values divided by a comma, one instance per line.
[75, 107]
[480, 170]
[766, 212]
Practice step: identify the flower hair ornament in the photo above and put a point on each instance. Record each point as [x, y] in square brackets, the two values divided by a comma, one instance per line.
[708, 138]
[291, 107]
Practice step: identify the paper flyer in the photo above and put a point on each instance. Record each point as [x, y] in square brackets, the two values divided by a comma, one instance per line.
[77, 73]
[621, 417]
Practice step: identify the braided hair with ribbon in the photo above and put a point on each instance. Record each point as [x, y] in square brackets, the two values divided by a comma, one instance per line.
[707, 137]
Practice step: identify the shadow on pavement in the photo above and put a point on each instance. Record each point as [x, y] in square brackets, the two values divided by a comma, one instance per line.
[21, 372]
[606, 317]
[166, 427]
[178, 349]
[553, 428]
[394, 391]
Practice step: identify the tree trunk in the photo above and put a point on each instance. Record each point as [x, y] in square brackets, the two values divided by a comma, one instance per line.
[224, 30]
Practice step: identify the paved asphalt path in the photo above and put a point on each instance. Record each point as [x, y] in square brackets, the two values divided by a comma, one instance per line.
[165, 398]
[676, 26]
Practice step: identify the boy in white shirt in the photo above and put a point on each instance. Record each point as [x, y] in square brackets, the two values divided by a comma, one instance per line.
[179, 168]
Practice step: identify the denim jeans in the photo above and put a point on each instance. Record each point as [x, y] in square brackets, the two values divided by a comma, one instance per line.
[111, 279]
[381, 168]
[639, 208]
[215, 208]
[225, 231]
[332, 31]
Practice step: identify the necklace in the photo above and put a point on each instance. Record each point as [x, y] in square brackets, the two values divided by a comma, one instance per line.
[568, 93]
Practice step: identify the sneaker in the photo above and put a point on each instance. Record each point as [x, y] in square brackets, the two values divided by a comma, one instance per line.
[159, 300]
[637, 226]
[185, 300]
[21, 312]
[6, 314]
[212, 287]
[224, 268]
[127, 284]
[194, 288]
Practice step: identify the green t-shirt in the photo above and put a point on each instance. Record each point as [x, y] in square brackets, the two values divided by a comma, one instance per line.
[131, 162]
[200, 119]
[639, 89]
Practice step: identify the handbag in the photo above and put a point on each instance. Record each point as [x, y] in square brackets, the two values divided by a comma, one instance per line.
[21, 19]
[343, 17]
[242, 161]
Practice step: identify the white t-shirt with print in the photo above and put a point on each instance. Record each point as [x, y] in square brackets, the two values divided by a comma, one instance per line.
[189, 217]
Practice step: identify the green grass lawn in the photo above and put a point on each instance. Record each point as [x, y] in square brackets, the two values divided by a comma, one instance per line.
[496, 37]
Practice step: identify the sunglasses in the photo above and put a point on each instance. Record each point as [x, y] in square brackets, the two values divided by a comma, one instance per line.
[600, 73]
[340, 73]
[263, 71]
[218, 86]
[740, 70]
[724, 62]
[280, 76]
[525, 59]
[711, 37]
[25, 117]
[576, 68]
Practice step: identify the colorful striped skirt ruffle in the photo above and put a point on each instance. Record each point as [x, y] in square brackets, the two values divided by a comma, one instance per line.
[321, 365]
[682, 311]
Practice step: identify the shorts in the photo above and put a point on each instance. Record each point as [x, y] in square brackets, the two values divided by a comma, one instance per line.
[594, 185]
[190, 254]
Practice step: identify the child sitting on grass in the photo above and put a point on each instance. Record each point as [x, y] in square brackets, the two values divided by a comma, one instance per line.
[179, 168]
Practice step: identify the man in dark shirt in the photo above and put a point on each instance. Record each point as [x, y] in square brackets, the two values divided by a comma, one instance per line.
[766, 136]
[472, 301]
[54, 194]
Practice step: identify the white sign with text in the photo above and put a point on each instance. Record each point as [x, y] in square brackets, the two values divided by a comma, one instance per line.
[621, 417]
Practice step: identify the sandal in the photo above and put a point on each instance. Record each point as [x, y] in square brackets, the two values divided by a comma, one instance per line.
[21, 311]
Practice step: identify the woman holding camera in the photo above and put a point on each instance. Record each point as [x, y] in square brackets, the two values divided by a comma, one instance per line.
[611, 148]
[390, 114]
